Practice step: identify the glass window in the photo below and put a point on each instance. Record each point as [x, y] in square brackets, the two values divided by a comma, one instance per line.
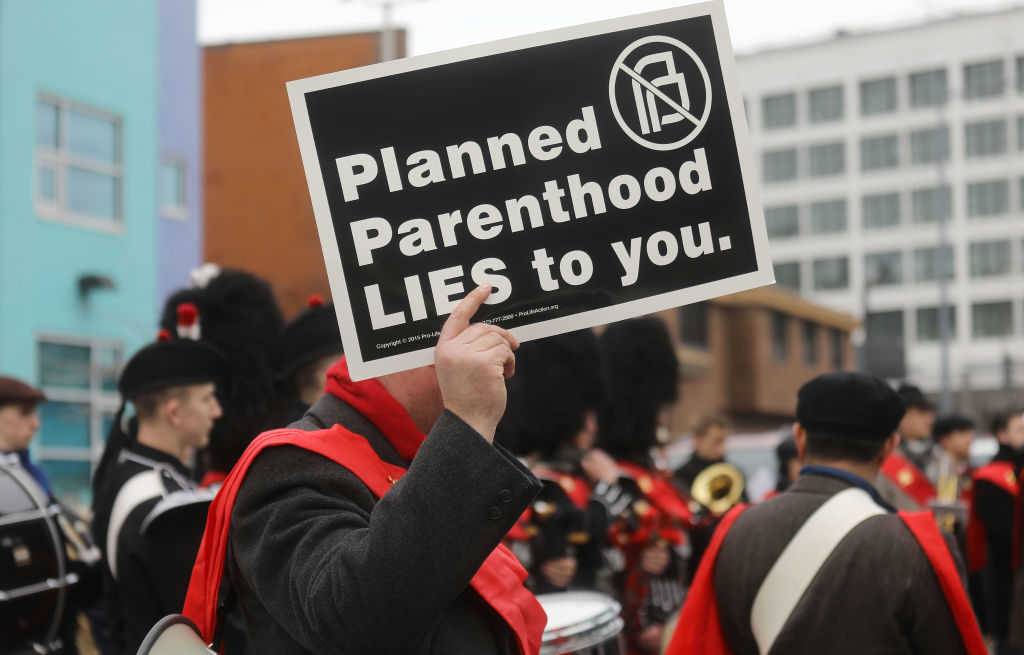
[828, 216]
[64, 425]
[779, 165]
[884, 326]
[778, 111]
[78, 162]
[827, 159]
[932, 204]
[825, 104]
[883, 268]
[984, 79]
[878, 152]
[780, 336]
[985, 138]
[928, 328]
[880, 210]
[838, 350]
[787, 274]
[878, 96]
[989, 198]
[928, 88]
[810, 333]
[990, 258]
[782, 221]
[172, 187]
[831, 273]
[693, 325]
[929, 263]
[992, 319]
[929, 145]
[64, 365]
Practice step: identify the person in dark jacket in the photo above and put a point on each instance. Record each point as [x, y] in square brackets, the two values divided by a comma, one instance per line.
[310, 344]
[373, 524]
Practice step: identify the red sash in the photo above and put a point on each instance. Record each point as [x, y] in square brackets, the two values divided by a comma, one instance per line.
[499, 581]
[909, 478]
[1001, 475]
[212, 477]
[699, 630]
[659, 490]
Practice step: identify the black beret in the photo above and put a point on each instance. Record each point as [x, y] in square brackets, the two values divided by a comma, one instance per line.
[912, 397]
[16, 391]
[846, 404]
[311, 335]
[171, 363]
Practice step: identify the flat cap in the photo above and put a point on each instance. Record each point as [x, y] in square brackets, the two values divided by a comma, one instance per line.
[16, 391]
[846, 404]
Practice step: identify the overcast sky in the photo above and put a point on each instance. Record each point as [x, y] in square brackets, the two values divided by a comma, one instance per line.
[441, 24]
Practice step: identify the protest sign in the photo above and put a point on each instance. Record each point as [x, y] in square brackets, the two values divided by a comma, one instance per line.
[587, 174]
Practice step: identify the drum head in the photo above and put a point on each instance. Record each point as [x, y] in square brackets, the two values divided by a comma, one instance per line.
[578, 620]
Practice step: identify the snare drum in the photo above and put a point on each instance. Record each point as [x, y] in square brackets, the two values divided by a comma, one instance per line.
[581, 622]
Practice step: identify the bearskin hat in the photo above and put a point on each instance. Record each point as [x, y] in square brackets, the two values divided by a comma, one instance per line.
[641, 375]
[239, 315]
[557, 380]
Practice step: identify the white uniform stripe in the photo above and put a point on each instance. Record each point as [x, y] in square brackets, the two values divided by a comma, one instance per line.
[137, 490]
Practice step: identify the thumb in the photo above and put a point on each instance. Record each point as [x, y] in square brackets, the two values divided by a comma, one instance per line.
[458, 320]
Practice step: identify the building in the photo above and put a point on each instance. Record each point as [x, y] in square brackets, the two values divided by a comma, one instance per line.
[257, 208]
[871, 144]
[744, 356]
[81, 153]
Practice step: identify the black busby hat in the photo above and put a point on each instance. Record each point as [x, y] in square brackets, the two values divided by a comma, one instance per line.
[641, 375]
[311, 335]
[849, 405]
[557, 380]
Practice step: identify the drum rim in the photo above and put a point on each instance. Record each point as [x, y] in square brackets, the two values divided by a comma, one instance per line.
[606, 616]
[580, 642]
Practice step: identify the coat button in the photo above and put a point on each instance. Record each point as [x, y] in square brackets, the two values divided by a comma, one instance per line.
[505, 496]
[493, 513]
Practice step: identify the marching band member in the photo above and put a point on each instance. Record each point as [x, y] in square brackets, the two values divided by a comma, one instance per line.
[906, 479]
[310, 344]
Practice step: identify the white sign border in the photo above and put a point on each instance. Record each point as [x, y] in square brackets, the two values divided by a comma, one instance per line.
[297, 90]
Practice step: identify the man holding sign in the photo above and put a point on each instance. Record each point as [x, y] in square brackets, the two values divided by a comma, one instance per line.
[356, 531]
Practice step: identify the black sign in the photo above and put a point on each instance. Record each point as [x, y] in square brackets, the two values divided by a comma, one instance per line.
[588, 175]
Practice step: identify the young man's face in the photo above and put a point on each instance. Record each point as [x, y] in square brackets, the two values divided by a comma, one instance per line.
[958, 444]
[711, 444]
[18, 424]
[195, 413]
[1015, 431]
[917, 423]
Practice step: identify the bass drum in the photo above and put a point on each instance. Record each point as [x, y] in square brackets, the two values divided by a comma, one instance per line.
[33, 570]
[581, 622]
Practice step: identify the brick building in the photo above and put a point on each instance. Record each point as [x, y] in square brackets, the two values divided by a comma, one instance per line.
[256, 199]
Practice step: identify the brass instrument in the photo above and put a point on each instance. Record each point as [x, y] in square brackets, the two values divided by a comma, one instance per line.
[718, 488]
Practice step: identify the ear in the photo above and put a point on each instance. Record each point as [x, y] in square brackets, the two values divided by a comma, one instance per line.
[171, 411]
[800, 437]
[890, 445]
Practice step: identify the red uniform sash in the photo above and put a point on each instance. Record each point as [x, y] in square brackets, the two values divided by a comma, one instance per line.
[699, 630]
[909, 478]
[1003, 476]
[659, 490]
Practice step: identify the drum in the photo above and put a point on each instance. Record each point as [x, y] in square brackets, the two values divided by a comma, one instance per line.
[581, 622]
[33, 569]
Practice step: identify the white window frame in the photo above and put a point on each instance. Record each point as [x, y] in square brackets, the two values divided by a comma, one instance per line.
[61, 158]
[176, 212]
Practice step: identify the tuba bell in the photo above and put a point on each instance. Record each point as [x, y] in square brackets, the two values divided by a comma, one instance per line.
[717, 488]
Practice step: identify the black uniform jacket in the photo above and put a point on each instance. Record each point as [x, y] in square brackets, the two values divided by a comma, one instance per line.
[316, 564]
[154, 555]
[876, 593]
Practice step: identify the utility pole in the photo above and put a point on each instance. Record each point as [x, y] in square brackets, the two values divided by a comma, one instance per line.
[388, 30]
[945, 269]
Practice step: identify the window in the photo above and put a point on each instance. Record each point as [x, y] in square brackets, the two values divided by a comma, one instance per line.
[172, 189]
[929, 263]
[693, 325]
[788, 275]
[932, 204]
[838, 350]
[884, 327]
[985, 138]
[825, 104]
[928, 88]
[831, 273]
[827, 159]
[877, 152]
[984, 79]
[880, 210]
[992, 319]
[929, 145]
[990, 258]
[878, 96]
[810, 333]
[778, 111]
[779, 165]
[78, 163]
[828, 216]
[782, 221]
[928, 326]
[780, 336]
[79, 377]
[990, 198]
[883, 268]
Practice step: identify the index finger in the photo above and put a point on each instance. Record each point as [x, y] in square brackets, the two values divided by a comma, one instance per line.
[458, 320]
